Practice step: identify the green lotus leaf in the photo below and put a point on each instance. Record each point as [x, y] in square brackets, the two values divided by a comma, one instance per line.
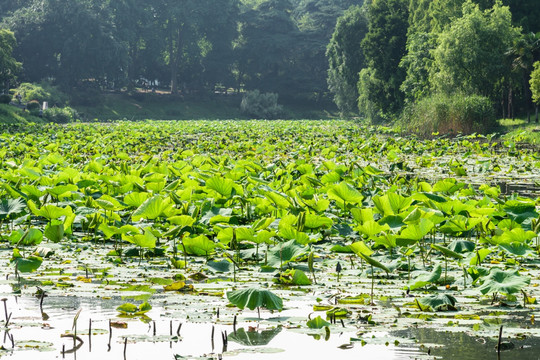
[131, 309]
[360, 248]
[54, 231]
[290, 233]
[152, 208]
[29, 264]
[294, 277]
[62, 190]
[343, 192]
[517, 249]
[136, 199]
[507, 282]
[181, 220]
[221, 185]
[279, 200]
[254, 298]
[391, 203]
[200, 245]
[446, 251]
[371, 228]
[285, 252]
[374, 262]
[426, 278]
[414, 232]
[438, 302]
[49, 211]
[146, 240]
[514, 235]
[29, 237]
[461, 246]
[317, 323]
[314, 221]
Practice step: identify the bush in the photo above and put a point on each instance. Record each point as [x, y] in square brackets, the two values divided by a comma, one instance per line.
[450, 114]
[60, 115]
[42, 92]
[5, 99]
[33, 105]
[261, 106]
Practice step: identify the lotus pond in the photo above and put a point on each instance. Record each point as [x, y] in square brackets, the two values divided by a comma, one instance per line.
[266, 240]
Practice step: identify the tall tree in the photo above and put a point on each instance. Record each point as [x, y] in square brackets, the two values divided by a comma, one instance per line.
[9, 67]
[267, 46]
[471, 55]
[68, 41]
[346, 59]
[192, 30]
[383, 47]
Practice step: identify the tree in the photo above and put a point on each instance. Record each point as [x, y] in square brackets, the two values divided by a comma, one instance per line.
[383, 47]
[535, 86]
[266, 49]
[525, 13]
[195, 31]
[346, 59]
[70, 42]
[9, 67]
[471, 55]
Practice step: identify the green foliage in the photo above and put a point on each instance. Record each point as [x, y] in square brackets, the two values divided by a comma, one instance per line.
[346, 59]
[535, 83]
[254, 298]
[60, 115]
[44, 91]
[261, 106]
[9, 66]
[455, 113]
[317, 323]
[471, 54]
[5, 98]
[507, 282]
[383, 47]
[133, 310]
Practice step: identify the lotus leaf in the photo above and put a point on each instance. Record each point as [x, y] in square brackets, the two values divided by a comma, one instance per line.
[507, 282]
[254, 298]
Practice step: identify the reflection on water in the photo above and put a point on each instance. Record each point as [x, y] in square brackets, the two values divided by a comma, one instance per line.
[167, 333]
[157, 339]
[459, 345]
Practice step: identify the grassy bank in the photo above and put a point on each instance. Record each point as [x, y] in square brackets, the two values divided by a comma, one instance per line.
[13, 115]
[159, 106]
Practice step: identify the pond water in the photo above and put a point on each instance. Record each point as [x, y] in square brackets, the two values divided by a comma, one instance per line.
[33, 334]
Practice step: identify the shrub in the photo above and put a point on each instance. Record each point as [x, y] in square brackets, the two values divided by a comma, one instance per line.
[261, 106]
[450, 114]
[43, 92]
[60, 115]
[33, 105]
[5, 99]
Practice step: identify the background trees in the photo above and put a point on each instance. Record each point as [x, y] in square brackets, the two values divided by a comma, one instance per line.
[379, 57]
[9, 67]
[346, 58]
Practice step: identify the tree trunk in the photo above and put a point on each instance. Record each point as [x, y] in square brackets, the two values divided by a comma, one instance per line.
[175, 50]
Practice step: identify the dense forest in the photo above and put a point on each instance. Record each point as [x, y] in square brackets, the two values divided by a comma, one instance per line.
[374, 58]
